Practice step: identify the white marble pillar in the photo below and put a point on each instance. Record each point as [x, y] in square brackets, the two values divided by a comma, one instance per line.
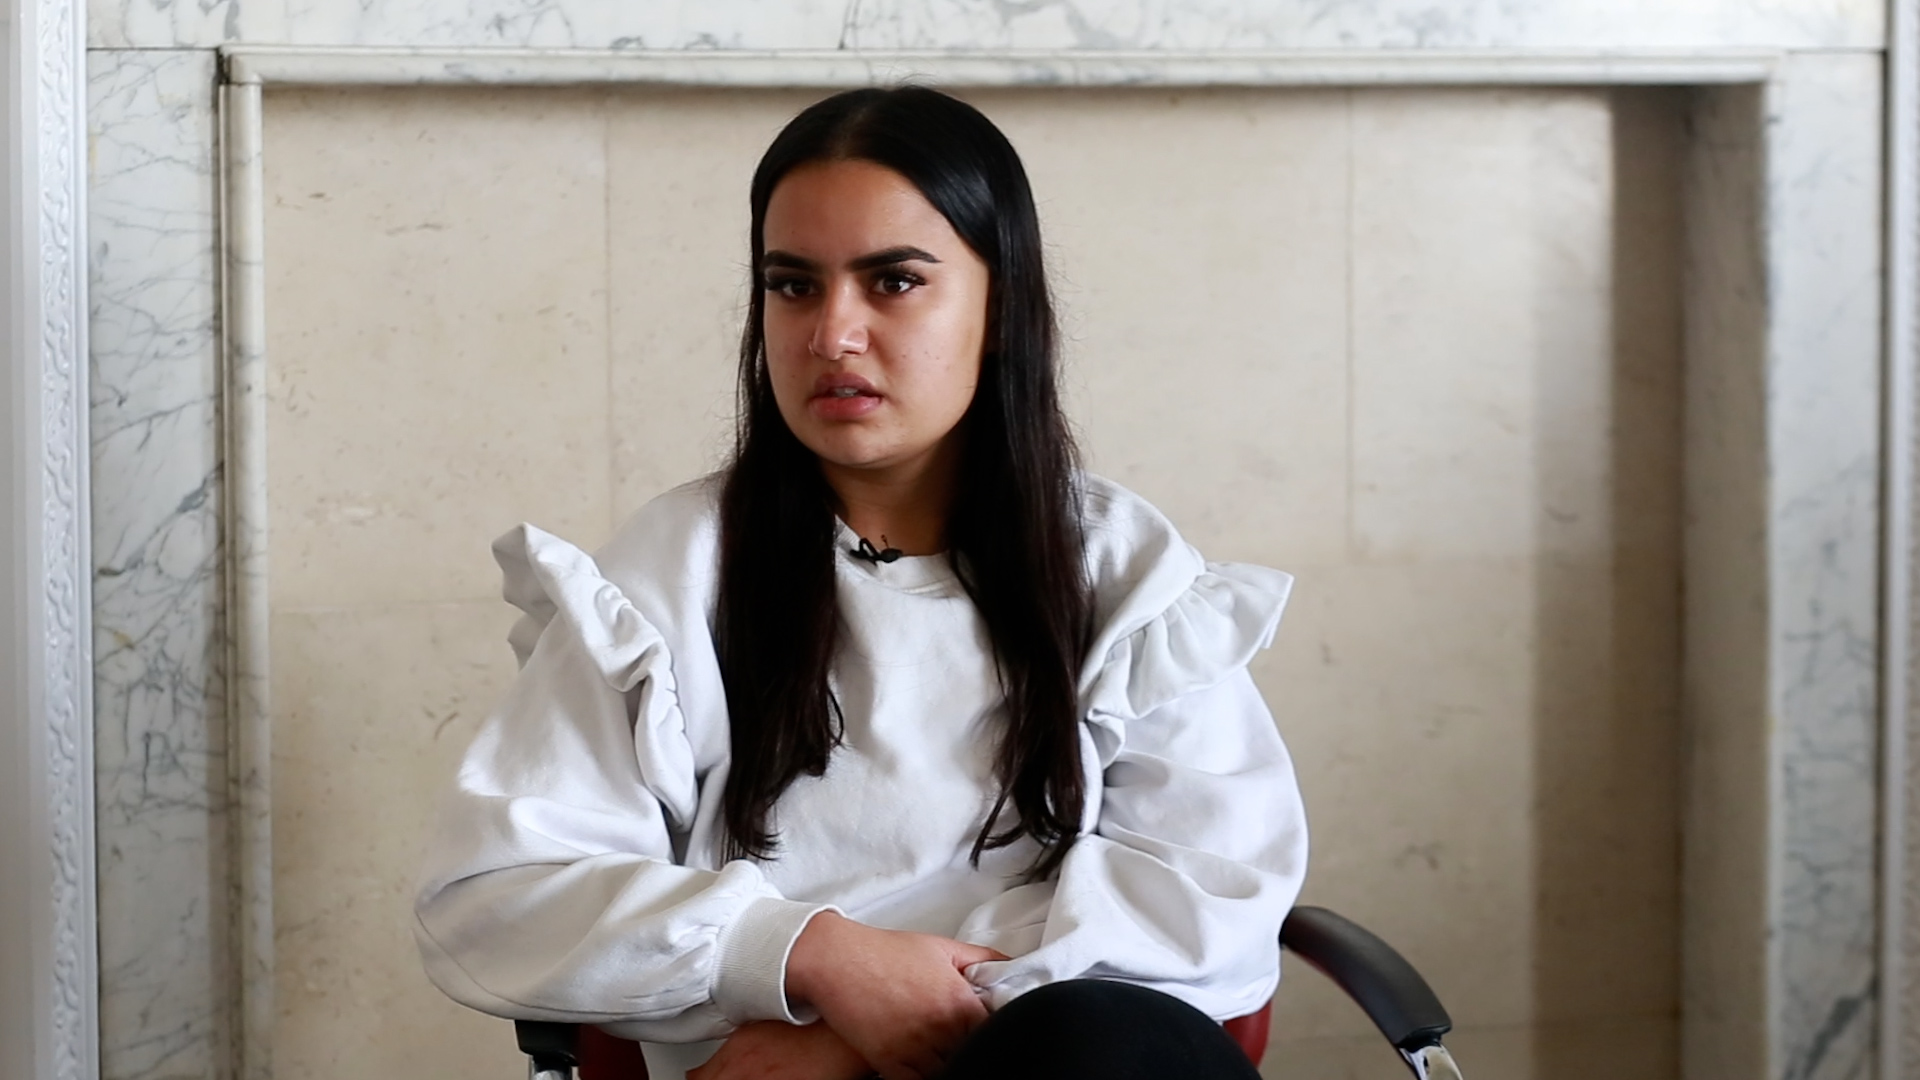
[1824, 266]
[160, 717]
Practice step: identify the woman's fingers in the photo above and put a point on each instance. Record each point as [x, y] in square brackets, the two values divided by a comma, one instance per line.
[965, 955]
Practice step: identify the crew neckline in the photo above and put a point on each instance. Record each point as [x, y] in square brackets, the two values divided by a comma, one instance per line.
[910, 572]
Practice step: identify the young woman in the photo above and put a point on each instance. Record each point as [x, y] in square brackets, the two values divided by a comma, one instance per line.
[900, 746]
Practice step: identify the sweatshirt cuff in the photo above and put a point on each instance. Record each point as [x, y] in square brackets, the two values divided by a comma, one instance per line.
[750, 975]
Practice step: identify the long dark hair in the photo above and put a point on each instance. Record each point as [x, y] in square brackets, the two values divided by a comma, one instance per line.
[1014, 532]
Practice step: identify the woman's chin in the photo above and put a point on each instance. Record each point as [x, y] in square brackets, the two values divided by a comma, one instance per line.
[858, 455]
[868, 448]
[861, 462]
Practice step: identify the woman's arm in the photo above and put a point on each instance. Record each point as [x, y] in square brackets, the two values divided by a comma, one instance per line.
[1199, 852]
[770, 1050]
[552, 890]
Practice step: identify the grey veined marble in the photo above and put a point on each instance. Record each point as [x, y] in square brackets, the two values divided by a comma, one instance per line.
[1041, 24]
[1824, 190]
[159, 723]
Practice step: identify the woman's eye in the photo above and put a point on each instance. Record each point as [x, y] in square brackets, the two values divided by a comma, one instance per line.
[897, 282]
[791, 288]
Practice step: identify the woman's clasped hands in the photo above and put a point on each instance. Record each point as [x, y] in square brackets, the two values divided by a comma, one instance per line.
[890, 1002]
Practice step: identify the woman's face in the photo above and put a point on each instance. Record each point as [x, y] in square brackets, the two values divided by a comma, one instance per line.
[876, 313]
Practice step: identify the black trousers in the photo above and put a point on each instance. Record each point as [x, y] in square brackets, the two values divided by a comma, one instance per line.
[1091, 1029]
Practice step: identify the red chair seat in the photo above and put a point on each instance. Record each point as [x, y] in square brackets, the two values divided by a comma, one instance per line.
[1251, 1032]
[606, 1057]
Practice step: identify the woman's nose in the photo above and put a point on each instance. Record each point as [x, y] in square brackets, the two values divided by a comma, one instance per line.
[842, 327]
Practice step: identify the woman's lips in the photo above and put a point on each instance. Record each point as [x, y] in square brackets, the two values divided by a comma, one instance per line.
[843, 397]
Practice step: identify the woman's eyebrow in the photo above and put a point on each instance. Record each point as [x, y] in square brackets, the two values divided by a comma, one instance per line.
[885, 257]
[787, 261]
[890, 256]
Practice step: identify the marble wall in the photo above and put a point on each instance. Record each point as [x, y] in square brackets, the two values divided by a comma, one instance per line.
[1426, 352]
[160, 739]
[1062, 24]
[1794, 326]
[1824, 483]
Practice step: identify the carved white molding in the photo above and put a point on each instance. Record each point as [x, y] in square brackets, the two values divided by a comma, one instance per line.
[59, 37]
[49, 456]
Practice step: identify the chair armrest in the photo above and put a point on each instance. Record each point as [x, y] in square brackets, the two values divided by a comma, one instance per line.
[1380, 980]
[552, 1048]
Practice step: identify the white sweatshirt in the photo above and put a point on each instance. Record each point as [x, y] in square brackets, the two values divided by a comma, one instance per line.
[575, 877]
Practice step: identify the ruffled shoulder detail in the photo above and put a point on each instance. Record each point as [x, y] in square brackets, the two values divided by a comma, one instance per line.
[1212, 630]
[1172, 623]
[546, 577]
[550, 579]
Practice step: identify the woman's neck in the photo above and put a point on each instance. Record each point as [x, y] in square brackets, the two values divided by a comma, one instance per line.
[903, 505]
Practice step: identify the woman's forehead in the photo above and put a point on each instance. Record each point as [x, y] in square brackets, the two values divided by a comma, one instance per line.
[836, 211]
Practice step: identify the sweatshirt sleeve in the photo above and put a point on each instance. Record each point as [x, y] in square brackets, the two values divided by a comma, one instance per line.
[1199, 846]
[552, 889]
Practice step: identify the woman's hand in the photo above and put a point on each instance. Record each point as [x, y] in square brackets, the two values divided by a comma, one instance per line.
[898, 999]
[772, 1050]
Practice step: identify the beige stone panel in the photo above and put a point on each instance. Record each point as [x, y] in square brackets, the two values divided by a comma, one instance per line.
[1487, 754]
[1198, 246]
[679, 165]
[437, 342]
[1482, 353]
[1608, 324]
[374, 708]
[1406, 694]
[1644, 1048]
